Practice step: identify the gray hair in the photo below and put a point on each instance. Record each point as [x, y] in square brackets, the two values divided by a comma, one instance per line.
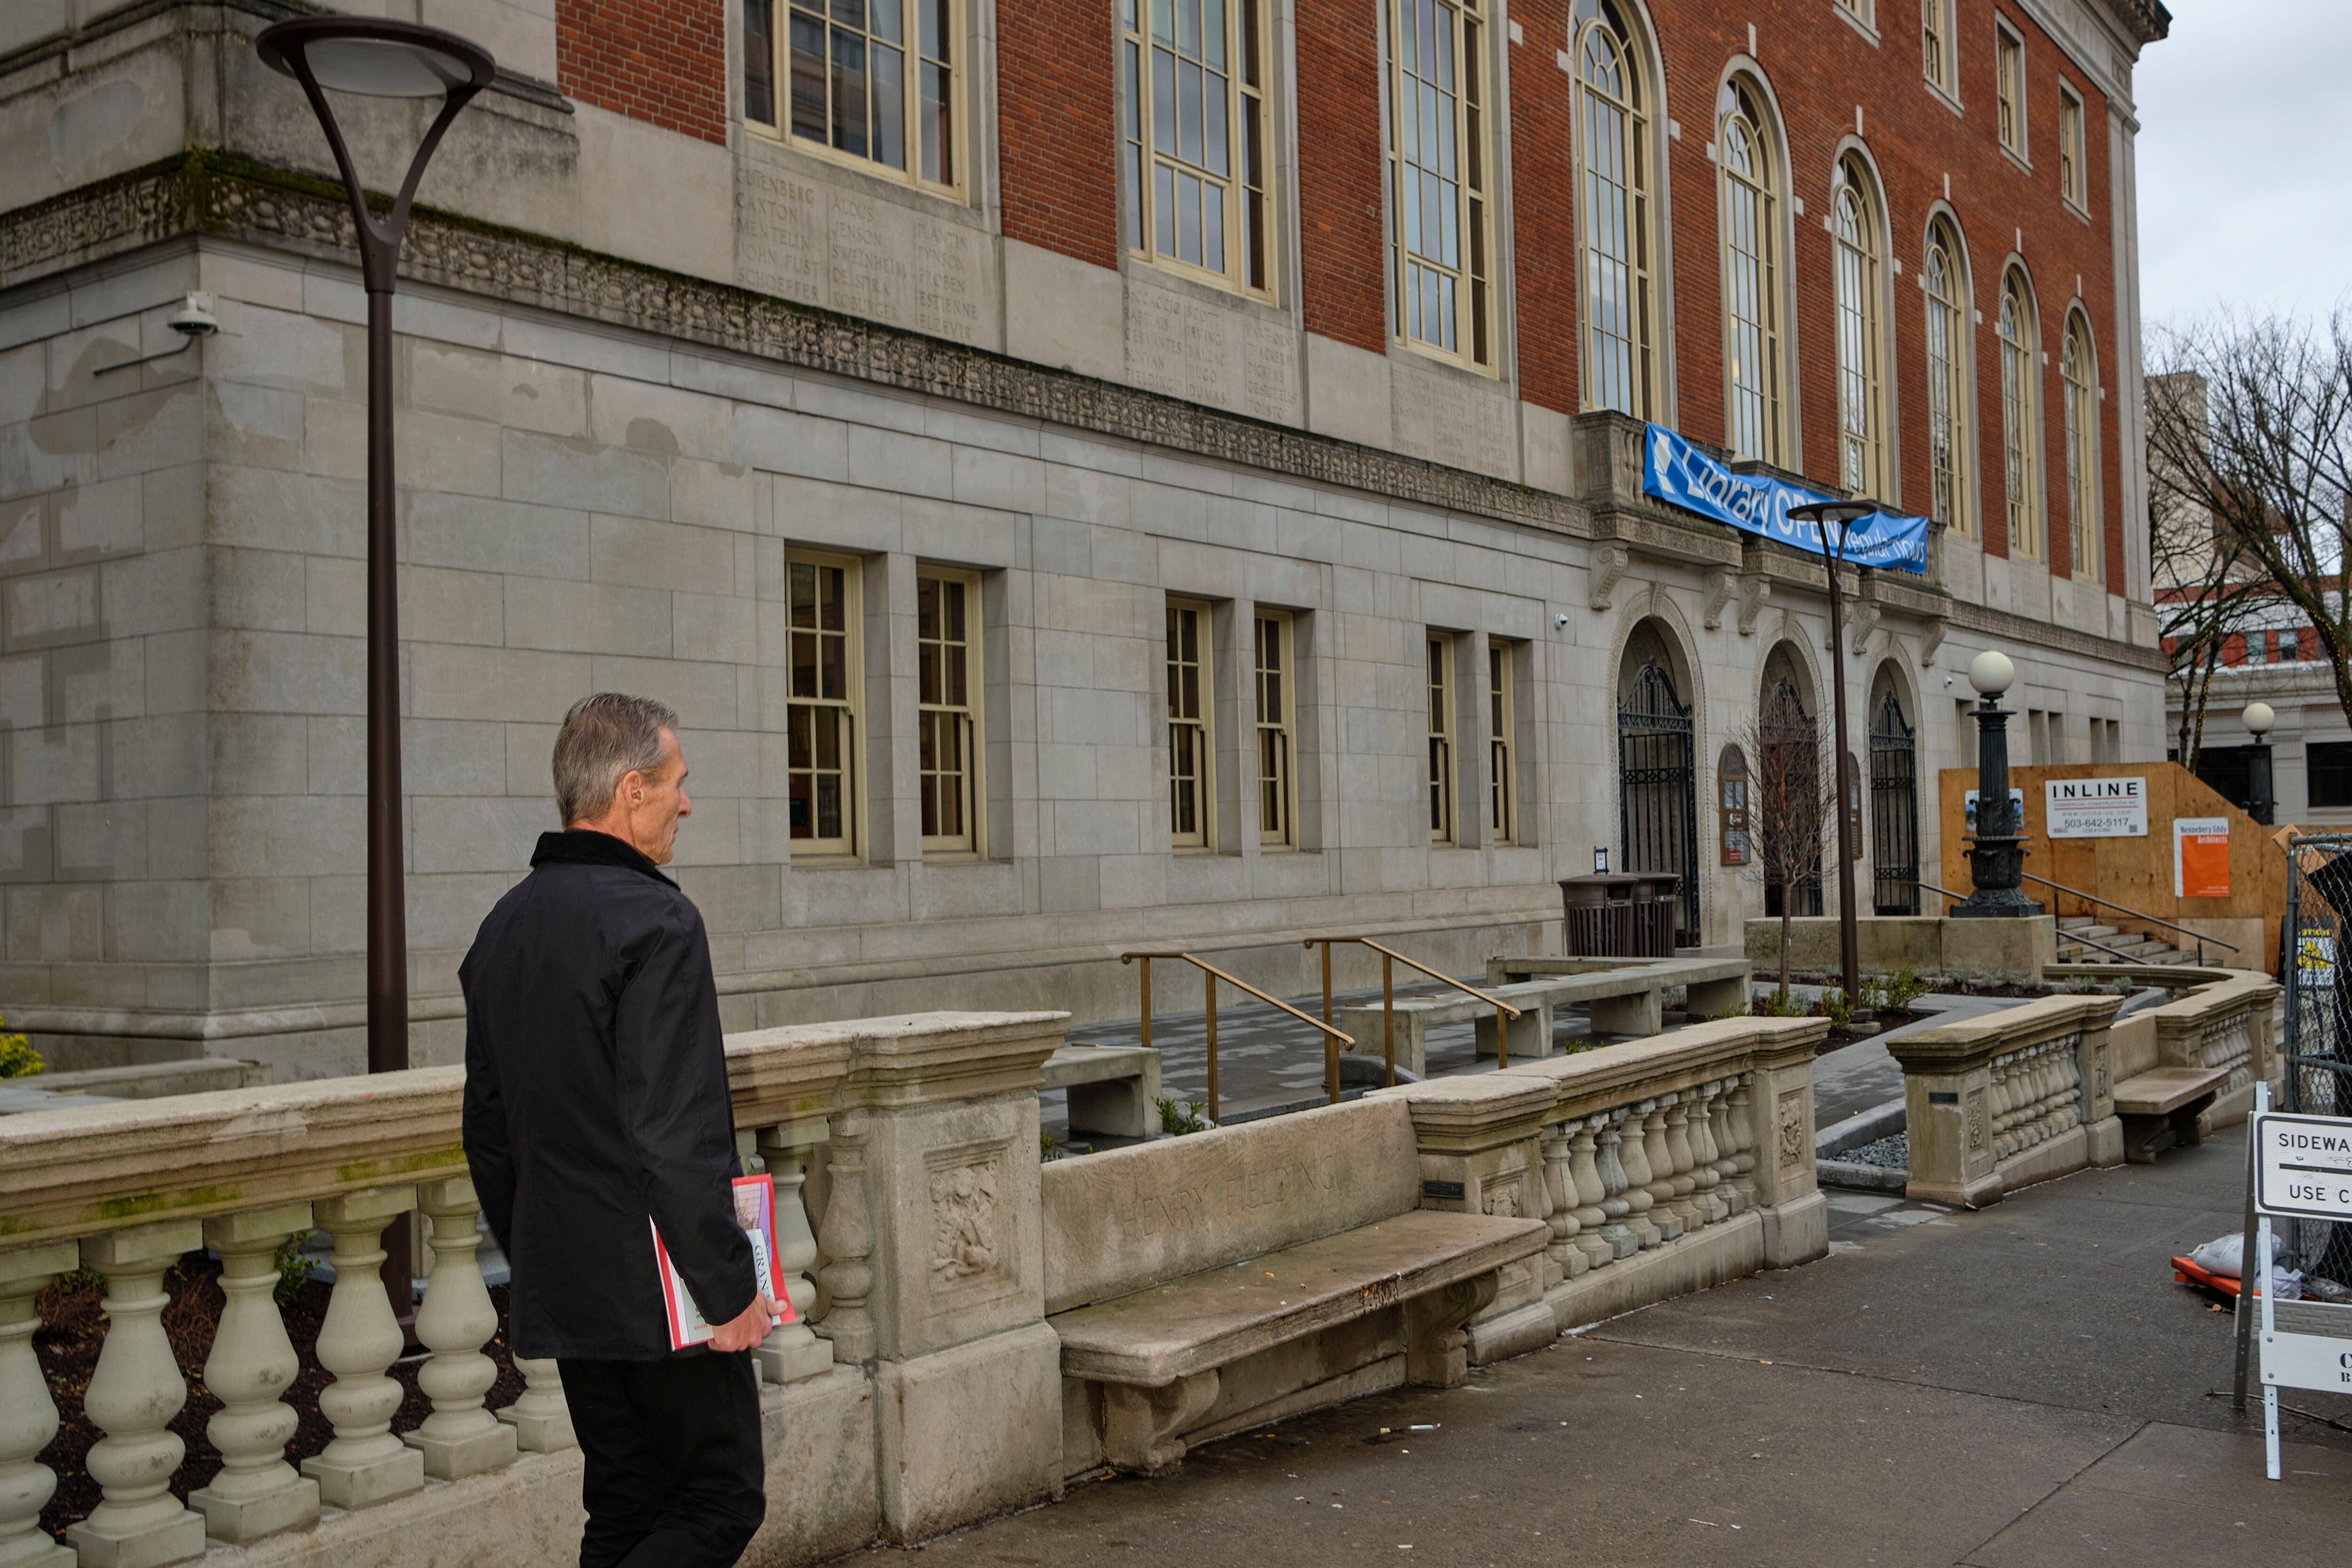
[605, 737]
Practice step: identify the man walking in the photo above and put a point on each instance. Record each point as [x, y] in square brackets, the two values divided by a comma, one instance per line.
[595, 1101]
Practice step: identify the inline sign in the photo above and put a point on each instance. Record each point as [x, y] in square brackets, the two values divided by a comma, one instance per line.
[2303, 1166]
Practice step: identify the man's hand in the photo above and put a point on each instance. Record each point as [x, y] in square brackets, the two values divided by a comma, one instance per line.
[748, 1330]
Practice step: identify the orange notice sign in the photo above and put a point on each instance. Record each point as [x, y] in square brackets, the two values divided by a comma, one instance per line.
[2201, 857]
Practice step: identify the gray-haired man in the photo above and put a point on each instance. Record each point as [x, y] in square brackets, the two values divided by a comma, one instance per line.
[596, 1100]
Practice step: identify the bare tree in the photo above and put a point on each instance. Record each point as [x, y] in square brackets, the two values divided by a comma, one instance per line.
[1793, 794]
[2250, 426]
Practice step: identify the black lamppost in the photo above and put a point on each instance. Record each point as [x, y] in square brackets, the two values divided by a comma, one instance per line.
[1842, 516]
[375, 58]
[1996, 855]
[2260, 805]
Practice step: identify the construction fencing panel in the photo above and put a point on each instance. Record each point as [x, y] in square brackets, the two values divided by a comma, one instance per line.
[2318, 1042]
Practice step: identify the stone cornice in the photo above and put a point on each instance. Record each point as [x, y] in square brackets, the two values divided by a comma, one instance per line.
[1994, 622]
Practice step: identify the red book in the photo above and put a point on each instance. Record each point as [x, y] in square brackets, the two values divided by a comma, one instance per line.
[755, 1211]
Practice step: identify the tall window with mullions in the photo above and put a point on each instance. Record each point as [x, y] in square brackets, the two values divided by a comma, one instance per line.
[1439, 161]
[1191, 786]
[1194, 138]
[1613, 217]
[947, 624]
[821, 712]
[868, 80]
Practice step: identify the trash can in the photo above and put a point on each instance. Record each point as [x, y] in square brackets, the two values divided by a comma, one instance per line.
[1653, 914]
[1599, 912]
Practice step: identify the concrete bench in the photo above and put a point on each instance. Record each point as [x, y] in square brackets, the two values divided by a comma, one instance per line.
[1114, 1089]
[1529, 1034]
[2160, 1107]
[1627, 996]
[1210, 1282]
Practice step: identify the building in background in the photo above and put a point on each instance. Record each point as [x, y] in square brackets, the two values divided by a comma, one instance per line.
[1153, 473]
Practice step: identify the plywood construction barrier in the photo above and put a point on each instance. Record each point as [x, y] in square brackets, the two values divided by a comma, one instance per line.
[2129, 858]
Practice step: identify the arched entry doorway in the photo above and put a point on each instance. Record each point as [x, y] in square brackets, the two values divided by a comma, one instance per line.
[1791, 751]
[1894, 801]
[1657, 774]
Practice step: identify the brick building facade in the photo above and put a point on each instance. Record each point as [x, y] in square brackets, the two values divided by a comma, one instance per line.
[1246, 396]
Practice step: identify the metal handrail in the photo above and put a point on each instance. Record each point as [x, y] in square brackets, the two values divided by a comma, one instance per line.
[1333, 1039]
[2126, 909]
[2071, 936]
[1390, 956]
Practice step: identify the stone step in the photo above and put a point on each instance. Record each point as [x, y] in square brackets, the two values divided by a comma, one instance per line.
[2091, 929]
[2143, 951]
[2176, 955]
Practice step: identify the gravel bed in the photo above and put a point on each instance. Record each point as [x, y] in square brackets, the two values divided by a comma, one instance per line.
[1888, 1153]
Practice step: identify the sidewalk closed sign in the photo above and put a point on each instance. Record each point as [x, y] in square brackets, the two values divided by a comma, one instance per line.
[2201, 857]
[2303, 1166]
[2096, 808]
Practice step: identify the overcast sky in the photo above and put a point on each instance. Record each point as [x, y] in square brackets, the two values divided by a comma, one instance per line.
[2244, 192]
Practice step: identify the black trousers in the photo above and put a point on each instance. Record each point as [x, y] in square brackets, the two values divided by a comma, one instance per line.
[675, 1469]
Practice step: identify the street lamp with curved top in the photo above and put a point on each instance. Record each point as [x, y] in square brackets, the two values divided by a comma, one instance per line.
[376, 58]
[1843, 515]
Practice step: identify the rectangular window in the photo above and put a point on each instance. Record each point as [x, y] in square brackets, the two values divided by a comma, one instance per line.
[1191, 786]
[1440, 252]
[1502, 784]
[2327, 772]
[871, 81]
[2070, 149]
[1441, 738]
[1277, 781]
[1196, 138]
[1939, 58]
[2010, 95]
[822, 685]
[947, 713]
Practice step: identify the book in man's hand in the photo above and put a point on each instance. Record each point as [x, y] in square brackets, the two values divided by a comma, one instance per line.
[755, 1211]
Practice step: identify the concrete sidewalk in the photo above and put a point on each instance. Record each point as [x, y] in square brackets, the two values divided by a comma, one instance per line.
[2022, 1387]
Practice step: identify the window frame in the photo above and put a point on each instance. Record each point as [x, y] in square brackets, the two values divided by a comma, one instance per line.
[1140, 155]
[2085, 524]
[1282, 728]
[2073, 149]
[2337, 768]
[967, 714]
[1637, 232]
[1202, 838]
[1765, 190]
[1444, 807]
[849, 710]
[1477, 314]
[1734, 845]
[1858, 267]
[2020, 420]
[1502, 743]
[1938, 57]
[2010, 93]
[1957, 318]
[958, 151]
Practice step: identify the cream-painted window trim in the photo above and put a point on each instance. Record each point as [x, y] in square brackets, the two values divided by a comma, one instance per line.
[1616, 245]
[1274, 682]
[2021, 381]
[953, 786]
[2079, 377]
[1442, 260]
[926, 39]
[1945, 290]
[1196, 139]
[1861, 15]
[1502, 746]
[1191, 729]
[1940, 60]
[1443, 813]
[2008, 91]
[1862, 395]
[824, 684]
[1755, 397]
[2074, 171]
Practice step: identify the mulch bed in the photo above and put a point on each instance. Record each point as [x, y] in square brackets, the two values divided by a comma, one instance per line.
[73, 1327]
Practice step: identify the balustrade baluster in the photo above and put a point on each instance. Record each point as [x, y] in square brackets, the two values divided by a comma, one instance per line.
[1746, 1131]
[848, 1248]
[1641, 1196]
[461, 1437]
[1590, 1193]
[1679, 1150]
[2004, 1146]
[252, 1364]
[1660, 1158]
[1702, 1138]
[540, 1419]
[1616, 1200]
[1566, 1258]
[132, 1396]
[28, 1417]
[792, 1351]
[364, 1464]
[1727, 1163]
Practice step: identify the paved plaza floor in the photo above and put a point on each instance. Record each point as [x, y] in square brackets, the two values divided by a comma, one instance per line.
[2018, 1387]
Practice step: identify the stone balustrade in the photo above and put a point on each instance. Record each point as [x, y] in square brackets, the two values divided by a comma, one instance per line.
[2008, 1098]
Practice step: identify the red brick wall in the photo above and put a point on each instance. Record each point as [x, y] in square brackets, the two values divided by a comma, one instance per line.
[1543, 208]
[1341, 166]
[1057, 128]
[661, 61]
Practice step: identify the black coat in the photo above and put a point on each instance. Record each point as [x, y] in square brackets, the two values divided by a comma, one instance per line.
[596, 1096]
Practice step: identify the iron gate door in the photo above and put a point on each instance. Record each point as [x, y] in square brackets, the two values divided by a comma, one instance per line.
[1793, 745]
[1894, 810]
[1657, 768]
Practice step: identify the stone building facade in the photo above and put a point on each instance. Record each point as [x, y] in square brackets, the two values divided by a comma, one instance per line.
[1092, 476]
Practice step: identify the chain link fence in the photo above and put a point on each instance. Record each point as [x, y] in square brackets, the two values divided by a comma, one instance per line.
[2319, 1042]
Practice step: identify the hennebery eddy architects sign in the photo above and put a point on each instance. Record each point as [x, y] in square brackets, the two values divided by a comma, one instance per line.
[2096, 808]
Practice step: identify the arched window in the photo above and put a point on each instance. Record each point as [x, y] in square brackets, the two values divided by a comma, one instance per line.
[1861, 446]
[2018, 424]
[1751, 277]
[1948, 405]
[2082, 377]
[1614, 210]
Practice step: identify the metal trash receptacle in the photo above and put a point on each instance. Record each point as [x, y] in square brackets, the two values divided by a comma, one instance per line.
[1653, 914]
[1599, 912]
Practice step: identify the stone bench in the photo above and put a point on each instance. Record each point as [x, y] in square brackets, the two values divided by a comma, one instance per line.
[1529, 1033]
[1627, 996]
[1218, 1281]
[2161, 1106]
[1114, 1090]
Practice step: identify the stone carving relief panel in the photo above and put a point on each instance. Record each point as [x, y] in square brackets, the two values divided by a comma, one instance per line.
[1791, 1120]
[971, 1225]
[1220, 356]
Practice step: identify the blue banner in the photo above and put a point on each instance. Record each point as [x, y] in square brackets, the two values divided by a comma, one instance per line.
[1674, 471]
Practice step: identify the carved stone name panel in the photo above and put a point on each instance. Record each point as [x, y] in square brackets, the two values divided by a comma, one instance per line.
[1449, 419]
[1217, 356]
[803, 238]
